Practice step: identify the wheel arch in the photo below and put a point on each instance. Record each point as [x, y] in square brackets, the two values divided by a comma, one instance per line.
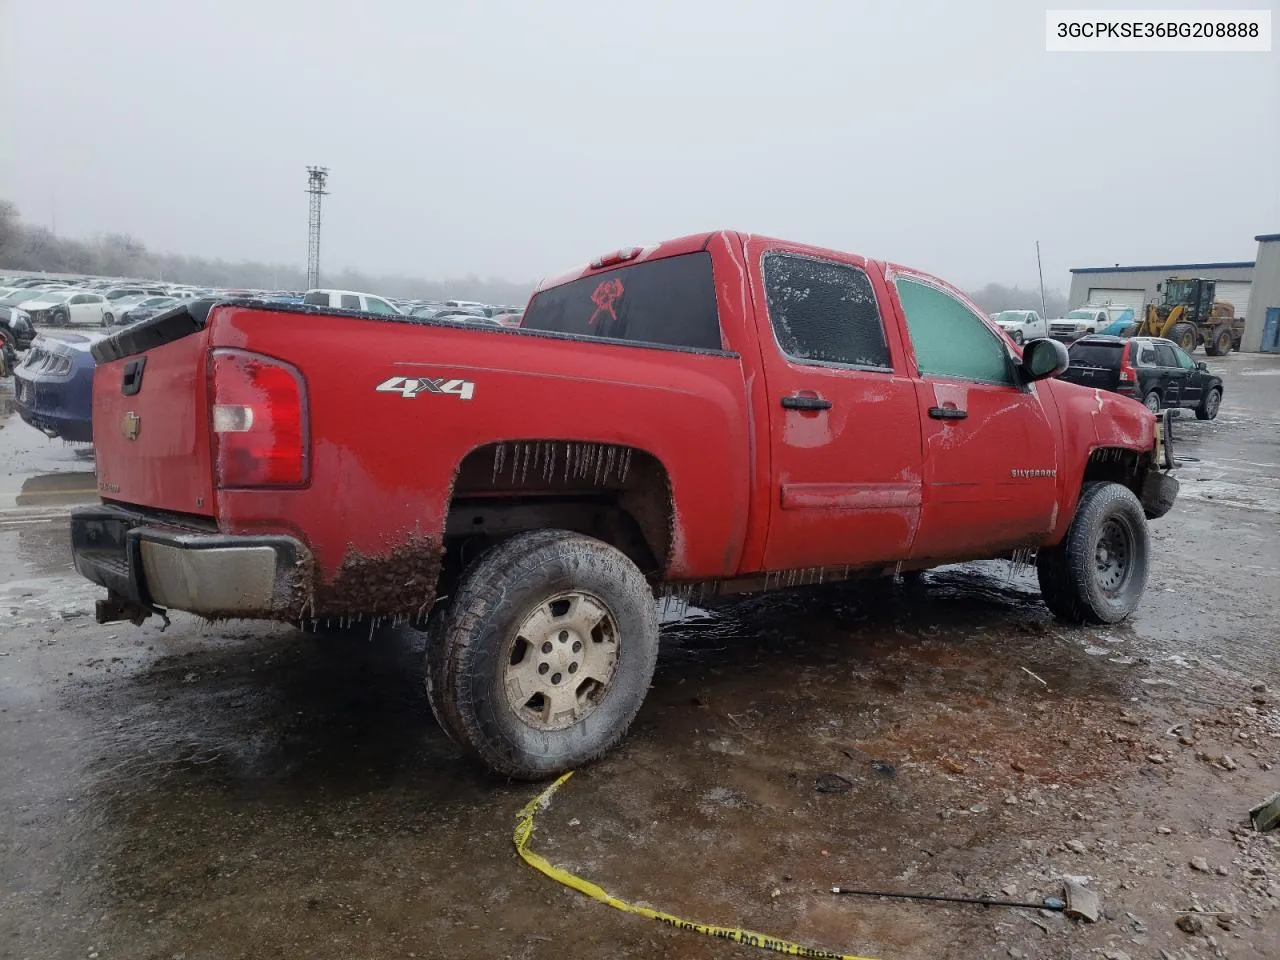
[619, 494]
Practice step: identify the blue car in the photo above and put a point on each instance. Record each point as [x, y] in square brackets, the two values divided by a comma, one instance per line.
[53, 386]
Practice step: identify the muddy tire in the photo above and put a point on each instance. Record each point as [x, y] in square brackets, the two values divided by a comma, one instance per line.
[1099, 571]
[545, 654]
[1209, 405]
[1184, 335]
[437, 640]
[1219, 343]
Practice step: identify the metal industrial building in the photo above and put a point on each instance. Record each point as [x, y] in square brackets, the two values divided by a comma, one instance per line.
[1252, 287]
[1137, 286]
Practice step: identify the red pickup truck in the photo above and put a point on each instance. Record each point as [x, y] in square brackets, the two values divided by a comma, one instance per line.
[722, 411]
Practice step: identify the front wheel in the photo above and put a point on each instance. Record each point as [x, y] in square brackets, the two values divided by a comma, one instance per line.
[1184, 335]
[1098, 572]
[108, 319]
[1208, 408]
[1018, 337]
[543, 658]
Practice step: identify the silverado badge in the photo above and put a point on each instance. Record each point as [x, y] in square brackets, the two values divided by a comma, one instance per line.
[130, 424]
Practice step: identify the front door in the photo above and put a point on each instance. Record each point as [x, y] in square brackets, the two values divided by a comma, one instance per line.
[1191, 384]
[991, 453]
[844, 433]
[1172, 376]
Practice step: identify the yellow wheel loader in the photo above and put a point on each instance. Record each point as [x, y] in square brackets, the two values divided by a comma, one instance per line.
[1188, 315]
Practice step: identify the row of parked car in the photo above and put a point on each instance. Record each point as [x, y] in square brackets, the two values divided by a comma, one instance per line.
[47, 328]
[1024, 325]
[1105, 354]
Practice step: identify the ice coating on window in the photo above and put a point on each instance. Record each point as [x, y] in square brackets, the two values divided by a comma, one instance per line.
[949, 340]
[824, 312]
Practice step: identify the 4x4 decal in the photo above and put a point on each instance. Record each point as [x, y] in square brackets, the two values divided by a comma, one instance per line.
[410, 387]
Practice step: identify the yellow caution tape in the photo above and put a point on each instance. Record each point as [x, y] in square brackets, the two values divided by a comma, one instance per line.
[524, 832]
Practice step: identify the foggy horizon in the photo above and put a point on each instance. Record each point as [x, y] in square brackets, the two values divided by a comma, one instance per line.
[499, 141]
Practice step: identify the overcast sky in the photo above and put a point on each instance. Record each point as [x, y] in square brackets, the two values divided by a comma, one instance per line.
[519, 138]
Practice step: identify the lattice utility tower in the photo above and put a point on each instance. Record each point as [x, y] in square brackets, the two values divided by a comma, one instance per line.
[316, 177]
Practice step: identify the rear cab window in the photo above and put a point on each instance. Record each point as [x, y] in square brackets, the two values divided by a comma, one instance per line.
[669, 302]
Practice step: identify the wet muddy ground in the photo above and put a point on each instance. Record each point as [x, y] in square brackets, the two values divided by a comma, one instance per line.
[249, 791]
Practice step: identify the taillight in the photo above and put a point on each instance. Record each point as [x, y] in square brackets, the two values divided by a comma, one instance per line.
[258, 418]
[1128, 373]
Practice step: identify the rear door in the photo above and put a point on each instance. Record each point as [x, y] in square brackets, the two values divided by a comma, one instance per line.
[80, 309]
[844, 430]
[990, 444]
[1150, 373]
[1172, 376]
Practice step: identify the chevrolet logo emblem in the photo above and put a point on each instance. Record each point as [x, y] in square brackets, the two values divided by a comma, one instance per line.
[130, 424]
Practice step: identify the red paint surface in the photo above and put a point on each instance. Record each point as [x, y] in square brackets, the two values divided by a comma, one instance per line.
[756, 487]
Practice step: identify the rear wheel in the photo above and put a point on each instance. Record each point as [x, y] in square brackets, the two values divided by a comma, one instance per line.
[1184, 335]
[1099, 571]
[1219, 343]
[543, 659]
[108, 319]
[1208, 408]
[1018, 337]
[1152, 401]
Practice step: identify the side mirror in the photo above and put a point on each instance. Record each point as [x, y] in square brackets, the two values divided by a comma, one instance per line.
[1201, 365]
[1042, 359]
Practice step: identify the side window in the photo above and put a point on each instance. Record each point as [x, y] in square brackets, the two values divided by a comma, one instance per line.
[350, 301]
[824, 312]
[1165, 356]
[379, 306]
[1184, 361]
[316, 298]
[78, 299]
[1147, 357]
[949, 340]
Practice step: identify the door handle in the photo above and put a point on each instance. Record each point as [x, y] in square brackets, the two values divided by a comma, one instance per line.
[947, 413]
[805, 403]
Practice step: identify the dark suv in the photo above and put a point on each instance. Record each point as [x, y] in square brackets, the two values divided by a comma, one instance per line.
[1157, 372]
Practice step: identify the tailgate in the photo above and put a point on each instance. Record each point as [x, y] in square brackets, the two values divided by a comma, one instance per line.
[150, 414]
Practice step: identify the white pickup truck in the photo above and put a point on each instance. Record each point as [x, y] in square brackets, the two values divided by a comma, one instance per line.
[1090, 319]
[1022, 325]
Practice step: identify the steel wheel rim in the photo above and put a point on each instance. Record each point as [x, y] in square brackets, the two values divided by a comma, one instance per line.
[1211, 405]
[558, 664]
[1113, 555]
[1153, 403]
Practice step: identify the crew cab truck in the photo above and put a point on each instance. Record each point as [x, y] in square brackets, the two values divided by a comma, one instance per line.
[722, 411]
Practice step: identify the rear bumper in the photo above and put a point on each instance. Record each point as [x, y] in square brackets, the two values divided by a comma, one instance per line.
[73, 429]
[158, 564]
